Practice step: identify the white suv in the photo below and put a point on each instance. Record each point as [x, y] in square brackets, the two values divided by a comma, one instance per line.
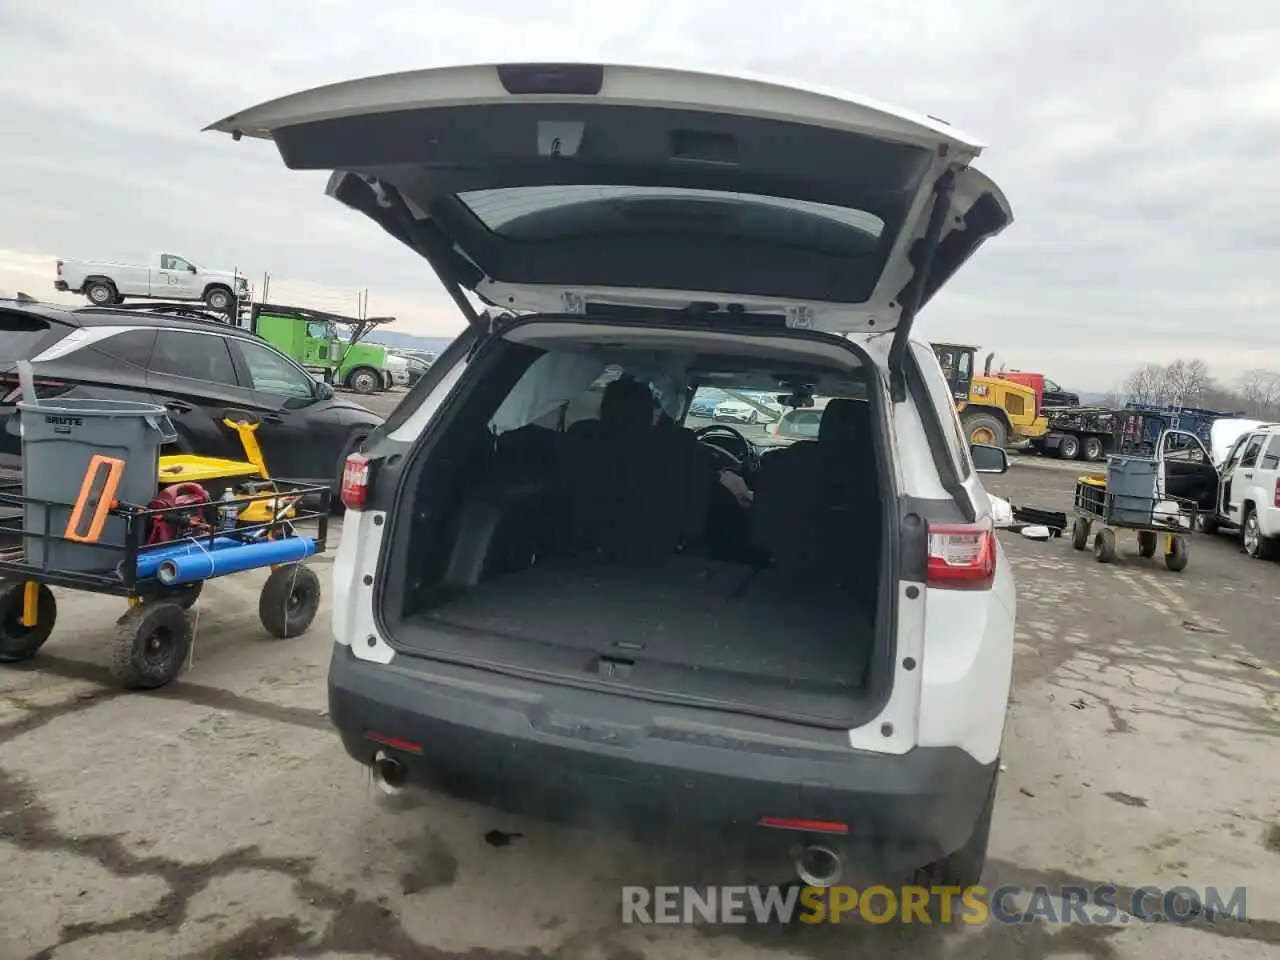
[1248, 495]
[566, 602]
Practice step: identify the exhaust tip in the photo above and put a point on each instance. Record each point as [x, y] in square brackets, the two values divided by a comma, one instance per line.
[819, 866]
[388, 772]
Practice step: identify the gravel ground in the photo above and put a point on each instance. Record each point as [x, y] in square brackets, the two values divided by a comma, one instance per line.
[219, 818]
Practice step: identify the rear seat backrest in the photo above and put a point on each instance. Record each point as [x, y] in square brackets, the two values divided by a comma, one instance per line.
[634, 487]
[816, 510]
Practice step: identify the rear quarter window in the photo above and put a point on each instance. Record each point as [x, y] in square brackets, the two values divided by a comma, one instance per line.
[1250, 456]
[23, 336]
[1271, 455]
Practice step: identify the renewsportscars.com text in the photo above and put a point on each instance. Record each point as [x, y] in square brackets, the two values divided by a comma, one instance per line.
[1102, 905]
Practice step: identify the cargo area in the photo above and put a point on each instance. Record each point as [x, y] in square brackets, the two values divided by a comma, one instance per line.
[596, 541]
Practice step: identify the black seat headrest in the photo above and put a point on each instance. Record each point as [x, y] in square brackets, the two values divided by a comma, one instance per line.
[844, 422]
[626, 405]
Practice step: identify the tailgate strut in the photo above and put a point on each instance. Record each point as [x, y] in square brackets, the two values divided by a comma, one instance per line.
[943, 188]
[382, 203]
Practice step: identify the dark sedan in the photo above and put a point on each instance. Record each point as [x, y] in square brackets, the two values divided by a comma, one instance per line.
[200, 370]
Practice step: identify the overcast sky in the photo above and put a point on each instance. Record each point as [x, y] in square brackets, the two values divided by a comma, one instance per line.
[1139, 143]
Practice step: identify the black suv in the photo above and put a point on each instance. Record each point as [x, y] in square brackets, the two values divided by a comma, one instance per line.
[198, 368]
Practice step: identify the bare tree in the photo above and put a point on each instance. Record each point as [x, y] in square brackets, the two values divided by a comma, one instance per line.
[1189, 383]
[1185, 382]
[1146, 384]
[1259, 392]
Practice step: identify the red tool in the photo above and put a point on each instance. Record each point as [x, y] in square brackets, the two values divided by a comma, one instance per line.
[174, 526]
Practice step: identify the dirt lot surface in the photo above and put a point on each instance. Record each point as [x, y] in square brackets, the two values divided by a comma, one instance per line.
[220, 819]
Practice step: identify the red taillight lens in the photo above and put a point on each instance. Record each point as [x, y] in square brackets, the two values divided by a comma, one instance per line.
[804, 826]
[355, 481]
[962, 556]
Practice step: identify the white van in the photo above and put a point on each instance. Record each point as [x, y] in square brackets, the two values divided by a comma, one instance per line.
[587, 616]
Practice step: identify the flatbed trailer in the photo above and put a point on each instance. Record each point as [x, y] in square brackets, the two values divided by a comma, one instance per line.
[1092, 432]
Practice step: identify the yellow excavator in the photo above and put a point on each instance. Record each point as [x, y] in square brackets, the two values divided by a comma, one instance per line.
[992, 410]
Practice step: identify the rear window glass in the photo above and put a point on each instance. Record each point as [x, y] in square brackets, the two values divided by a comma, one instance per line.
[535, 213]
[192, 356]
[23, 336]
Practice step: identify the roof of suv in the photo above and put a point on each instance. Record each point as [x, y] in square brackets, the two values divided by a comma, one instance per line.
[169, 316]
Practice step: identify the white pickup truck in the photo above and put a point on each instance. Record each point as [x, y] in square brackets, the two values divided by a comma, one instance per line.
[167, 277]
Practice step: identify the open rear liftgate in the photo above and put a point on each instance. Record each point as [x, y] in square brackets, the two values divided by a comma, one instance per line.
[157, 554]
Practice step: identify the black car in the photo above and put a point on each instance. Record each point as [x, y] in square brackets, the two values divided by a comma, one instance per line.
[198, 368]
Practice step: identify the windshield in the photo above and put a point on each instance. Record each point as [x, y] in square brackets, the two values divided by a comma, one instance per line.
[760, 417]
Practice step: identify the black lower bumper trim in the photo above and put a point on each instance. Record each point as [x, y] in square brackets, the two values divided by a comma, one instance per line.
[901, 811]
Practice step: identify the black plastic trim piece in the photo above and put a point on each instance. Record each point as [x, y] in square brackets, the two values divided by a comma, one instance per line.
[575, 79]
[936, 432]
[917, 513]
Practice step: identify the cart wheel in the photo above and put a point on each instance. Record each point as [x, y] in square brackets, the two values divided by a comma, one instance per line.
[1080, 533]
[289, 600]
[1147, 543]
[151, 644]
[184, 595]
[17, 641]
[1176, 559]
[1104, 546]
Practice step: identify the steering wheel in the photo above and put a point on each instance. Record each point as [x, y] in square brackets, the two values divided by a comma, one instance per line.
[740, 459]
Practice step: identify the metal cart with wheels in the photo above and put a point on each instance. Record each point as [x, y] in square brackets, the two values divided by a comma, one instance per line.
[158, 555]
[161, 581]
[1155, 522]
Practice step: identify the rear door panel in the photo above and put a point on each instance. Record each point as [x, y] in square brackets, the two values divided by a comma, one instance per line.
[193, 376]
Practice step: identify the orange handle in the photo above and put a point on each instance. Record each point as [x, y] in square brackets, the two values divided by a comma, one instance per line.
[97, 500]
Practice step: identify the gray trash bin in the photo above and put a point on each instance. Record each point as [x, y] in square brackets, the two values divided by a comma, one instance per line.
[1131, 485]
[59, 439]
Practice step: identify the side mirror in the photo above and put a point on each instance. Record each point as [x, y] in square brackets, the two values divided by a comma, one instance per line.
[191, 267]
[324, 391]
[988, 459]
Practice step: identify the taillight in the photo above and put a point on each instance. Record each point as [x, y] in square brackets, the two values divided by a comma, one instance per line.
[355, 481]
[962, 556]
[804, 826]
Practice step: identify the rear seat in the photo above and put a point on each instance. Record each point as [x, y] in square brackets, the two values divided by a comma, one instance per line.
[637, 491]
[817, 508]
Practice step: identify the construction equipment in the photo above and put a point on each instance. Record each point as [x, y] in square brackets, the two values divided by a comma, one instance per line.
[992, 410]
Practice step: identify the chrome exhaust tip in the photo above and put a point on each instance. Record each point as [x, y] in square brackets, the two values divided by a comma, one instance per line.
[818, 865]
[388, 773]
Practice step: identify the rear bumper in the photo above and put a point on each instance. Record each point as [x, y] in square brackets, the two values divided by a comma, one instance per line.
[509, 749]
